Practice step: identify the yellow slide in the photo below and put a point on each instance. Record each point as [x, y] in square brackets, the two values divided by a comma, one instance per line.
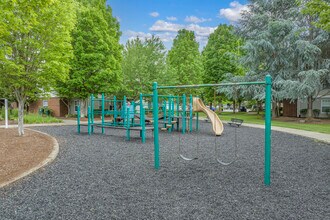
[217, 125]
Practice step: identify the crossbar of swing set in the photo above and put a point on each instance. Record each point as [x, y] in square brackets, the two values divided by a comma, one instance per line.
[212, 85]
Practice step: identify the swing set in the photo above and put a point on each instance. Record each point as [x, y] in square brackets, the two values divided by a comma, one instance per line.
[267, 155]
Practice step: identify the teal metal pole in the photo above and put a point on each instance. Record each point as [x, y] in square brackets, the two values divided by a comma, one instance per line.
[103, 103]
[211, 85]
[141, 107]
[177, 112]
[123, 110]
[184, 113]
[78, 119]
[268, 120]
[89, 120]
[190, 112]
[143, 126]
[115, 111]
[128, 130]
[92, 113]
[155, 115]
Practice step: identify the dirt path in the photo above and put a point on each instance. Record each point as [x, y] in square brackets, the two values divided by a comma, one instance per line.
[20, 154]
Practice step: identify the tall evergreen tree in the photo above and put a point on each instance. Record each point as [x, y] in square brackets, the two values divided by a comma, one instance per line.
[96, 66]
[143, 63]
[284, 43]
[310, 69]
[184, 59]
[35, 47]
[270, 32]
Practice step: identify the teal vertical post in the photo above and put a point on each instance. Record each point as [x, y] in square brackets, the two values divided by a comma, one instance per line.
[184, 113]
[141, 107]
[128, 130]
[169, 113]
[89, 120]
[143, 126]
[155, 115]
[177, 111]
[172, 115]
[115, 111]
[190, 112]
[164, 112]
[268, 120]
[78, 119]
[103, 103]
[92, 113]
[123, 110]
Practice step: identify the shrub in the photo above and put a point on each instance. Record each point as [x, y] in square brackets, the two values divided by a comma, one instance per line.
[316, 112]
[303, 111]
[45, 110]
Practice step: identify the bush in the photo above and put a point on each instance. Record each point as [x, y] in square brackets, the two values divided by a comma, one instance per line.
[45, 110]
[12, 114]
[316, 112]
[303, 111]
[37, 119]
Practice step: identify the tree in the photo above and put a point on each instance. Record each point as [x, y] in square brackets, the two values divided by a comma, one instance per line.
[184, 59]
[269, 31]
[220, 56]
[144, 63]
[320, 9]
[35, 47]
[282, 42]
[96, 66]
[311, 60]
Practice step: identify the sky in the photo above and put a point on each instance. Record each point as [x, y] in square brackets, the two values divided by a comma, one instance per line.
[164, 18]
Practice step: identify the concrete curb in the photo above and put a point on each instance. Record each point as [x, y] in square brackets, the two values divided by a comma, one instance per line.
[43, 163]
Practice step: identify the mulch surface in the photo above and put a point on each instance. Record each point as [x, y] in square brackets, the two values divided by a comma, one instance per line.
[19, 154]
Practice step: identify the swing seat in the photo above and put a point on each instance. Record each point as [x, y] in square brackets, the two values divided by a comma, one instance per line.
[235, 122]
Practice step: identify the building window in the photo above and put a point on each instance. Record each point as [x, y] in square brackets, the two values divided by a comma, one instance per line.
[76, 104]
[325, 105]
[45, 103]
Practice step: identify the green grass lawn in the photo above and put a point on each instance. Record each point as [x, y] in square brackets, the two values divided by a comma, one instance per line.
[38, 119]
[258, 119]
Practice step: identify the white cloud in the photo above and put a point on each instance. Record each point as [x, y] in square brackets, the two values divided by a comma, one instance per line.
[194, 19]
[200, 31]
[233, 13]
[154, 14]
[164, 36]
[171, 18]
[163, 26]
[133, 34]
[167, 31]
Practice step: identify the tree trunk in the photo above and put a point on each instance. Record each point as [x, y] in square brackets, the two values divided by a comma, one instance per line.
[273, 109]
[309, 107]
[67, 105]
[234, 107]
[20, 117]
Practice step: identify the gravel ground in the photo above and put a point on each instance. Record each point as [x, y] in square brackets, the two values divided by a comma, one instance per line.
[106, 177]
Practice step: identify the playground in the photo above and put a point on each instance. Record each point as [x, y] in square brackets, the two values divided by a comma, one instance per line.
[105, 176]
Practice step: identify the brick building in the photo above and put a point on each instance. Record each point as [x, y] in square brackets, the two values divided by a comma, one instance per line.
[58, 107]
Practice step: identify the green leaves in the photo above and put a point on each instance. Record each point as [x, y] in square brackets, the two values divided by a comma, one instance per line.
[35, 44]
[95, 67]
[143, 64]
[220, 56]
[184, 59]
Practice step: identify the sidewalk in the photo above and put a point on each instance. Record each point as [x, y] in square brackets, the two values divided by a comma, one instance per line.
[314, 135]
